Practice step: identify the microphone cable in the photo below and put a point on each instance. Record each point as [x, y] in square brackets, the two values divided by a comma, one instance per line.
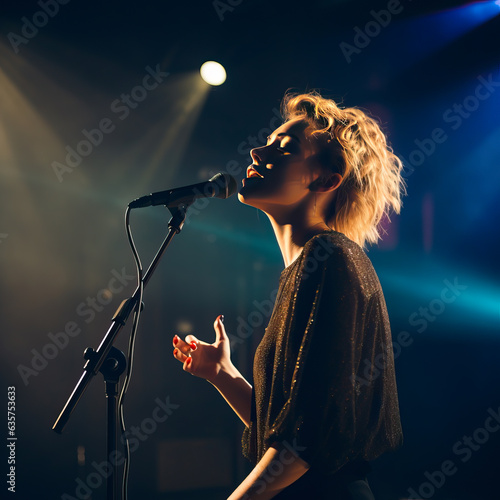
[130, 355]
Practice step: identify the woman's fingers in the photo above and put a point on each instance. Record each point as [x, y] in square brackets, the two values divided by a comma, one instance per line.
[192, 342]
[220, 331]
[179, 355]
[188, 364]
[183, 358]
[183, 350]
[185, 346]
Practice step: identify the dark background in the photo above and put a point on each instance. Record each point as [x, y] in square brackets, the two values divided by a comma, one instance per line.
[61, 237]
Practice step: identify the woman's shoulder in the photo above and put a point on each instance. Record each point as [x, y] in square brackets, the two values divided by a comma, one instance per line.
[340, 258]
[331, 251]
[333, 245]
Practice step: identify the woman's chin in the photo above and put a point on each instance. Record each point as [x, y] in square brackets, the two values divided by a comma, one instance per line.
[244, 198]
[245, 192]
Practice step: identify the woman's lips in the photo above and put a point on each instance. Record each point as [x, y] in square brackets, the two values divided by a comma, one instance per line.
[253, 172]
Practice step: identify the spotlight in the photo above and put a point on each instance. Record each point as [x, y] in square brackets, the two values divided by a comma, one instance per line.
[213, 73]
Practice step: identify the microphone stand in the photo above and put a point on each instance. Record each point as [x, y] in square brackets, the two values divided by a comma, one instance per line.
[112, 362]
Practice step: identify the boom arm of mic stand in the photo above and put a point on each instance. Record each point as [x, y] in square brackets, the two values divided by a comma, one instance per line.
[119, 319]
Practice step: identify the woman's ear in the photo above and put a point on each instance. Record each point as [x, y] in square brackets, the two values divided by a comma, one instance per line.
[326, 184]
[327, 161]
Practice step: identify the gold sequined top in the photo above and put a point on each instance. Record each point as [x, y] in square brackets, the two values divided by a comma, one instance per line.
[324, 381]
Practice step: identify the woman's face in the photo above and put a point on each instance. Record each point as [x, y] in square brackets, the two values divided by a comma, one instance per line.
[283, 170]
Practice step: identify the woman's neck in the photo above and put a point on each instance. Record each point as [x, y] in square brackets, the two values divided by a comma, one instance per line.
[292, 236]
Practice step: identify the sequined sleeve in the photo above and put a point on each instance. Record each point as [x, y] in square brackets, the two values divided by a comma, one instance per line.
[317, 387]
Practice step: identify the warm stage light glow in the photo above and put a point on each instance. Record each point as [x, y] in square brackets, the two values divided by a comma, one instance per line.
[213, 73]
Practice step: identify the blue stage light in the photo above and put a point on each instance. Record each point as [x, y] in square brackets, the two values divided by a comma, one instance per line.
[456, 22]
[434, 31]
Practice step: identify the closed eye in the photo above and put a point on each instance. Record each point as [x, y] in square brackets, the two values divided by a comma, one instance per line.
[280, 148]
[286, 146]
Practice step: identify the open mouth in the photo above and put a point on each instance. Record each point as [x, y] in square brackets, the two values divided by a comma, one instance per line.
[251, 172]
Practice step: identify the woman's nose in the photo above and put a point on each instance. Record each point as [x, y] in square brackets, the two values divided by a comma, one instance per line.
[257, 155]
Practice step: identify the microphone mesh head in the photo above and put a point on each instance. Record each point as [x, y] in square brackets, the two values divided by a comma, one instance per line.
[226, 184]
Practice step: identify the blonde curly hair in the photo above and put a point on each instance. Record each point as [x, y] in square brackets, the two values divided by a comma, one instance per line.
[357, 149]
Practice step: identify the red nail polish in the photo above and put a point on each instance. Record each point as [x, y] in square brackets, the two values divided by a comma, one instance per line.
[176, 339]
[193, 346]
[176, 351]
[188, 361]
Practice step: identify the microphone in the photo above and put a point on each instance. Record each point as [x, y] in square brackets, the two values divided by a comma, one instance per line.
[221, 185]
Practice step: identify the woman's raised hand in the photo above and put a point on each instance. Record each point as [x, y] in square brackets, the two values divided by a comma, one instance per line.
[201, 359]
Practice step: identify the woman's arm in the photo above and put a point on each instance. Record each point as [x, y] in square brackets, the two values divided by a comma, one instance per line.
[278, 469]
[236, 391]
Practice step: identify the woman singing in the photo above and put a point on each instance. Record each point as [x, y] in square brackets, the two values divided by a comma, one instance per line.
[324, 401]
